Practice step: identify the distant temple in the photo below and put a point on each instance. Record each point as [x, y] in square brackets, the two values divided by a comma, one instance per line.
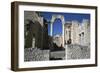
[57, 39]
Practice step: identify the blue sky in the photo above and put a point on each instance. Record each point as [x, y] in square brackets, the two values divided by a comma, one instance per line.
[57, 27]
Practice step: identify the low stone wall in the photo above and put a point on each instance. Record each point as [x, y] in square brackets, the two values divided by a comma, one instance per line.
[58, 54]
[35, 54]
[78, 52]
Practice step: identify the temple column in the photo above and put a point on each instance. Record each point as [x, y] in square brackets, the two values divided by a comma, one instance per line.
[62, 18]
[63, 33]
[51, 29]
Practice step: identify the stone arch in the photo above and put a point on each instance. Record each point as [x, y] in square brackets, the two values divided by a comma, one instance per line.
[54, 17]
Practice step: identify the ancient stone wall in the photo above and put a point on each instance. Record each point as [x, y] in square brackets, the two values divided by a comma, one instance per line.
[35, 54]
[78, 33]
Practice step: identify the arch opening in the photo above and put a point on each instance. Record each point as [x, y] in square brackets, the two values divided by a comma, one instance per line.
[57, 27]
[59, 20]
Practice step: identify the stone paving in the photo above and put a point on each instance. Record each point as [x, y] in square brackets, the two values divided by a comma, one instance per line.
[78, 52]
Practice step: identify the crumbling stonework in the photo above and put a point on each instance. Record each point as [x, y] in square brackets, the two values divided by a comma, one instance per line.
[78, 52]
[35, 54]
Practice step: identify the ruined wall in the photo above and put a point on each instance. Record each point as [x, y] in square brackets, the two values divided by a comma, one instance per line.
[32, 54]
[33, 25]
[79, 32]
